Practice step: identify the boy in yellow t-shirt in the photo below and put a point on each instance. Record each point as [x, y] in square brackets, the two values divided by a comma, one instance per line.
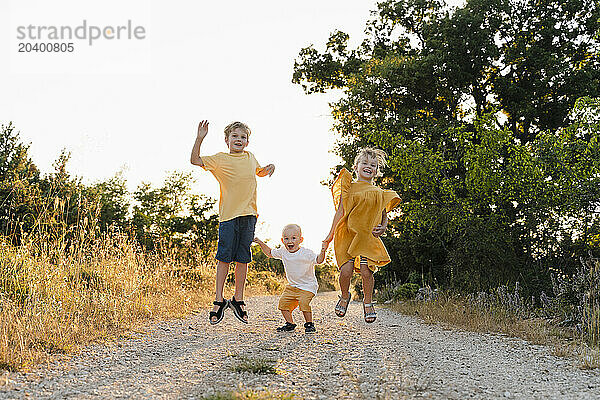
[236, 173]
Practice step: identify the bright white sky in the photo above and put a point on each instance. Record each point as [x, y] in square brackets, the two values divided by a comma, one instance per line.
[135, 105]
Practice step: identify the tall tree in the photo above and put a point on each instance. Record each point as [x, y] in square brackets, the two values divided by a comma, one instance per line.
[548, 50]
[113, 198]
[464, 101]
[173, 215]
[422, 61]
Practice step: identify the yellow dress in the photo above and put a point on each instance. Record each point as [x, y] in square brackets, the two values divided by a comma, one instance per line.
[363, 205]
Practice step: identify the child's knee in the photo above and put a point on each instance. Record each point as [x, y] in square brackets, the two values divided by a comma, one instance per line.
[347, 268]
[365, 271]
[304, 301]
[305, 306]
[241, 266]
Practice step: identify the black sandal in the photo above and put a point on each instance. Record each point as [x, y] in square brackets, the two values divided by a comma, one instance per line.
[237, 310]
[220, 313]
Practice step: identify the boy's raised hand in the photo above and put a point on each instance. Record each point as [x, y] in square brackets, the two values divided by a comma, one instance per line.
[270, 169]
[202, 129]
[267, 170]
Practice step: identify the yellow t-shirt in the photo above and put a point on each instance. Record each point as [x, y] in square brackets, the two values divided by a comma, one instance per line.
[236, 174]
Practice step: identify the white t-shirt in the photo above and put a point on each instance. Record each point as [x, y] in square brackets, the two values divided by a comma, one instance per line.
[299, 267]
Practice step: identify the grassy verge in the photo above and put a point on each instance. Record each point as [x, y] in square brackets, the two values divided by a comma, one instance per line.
[53, 299]
[458, 311]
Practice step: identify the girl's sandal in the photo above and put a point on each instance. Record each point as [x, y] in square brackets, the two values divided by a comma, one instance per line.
[369, 316]
[237, 310]
[220, 313]
[342, 306]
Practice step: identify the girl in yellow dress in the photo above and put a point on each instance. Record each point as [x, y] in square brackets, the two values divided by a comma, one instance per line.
[360, 218]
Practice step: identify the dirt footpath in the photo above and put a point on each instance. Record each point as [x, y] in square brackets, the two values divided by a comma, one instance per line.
[396, 357]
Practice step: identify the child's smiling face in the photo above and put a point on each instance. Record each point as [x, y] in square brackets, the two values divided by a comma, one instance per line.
[237, 140]
[291, 239]
[367, 168]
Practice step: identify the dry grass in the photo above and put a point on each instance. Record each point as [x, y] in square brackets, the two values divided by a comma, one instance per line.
[55, 298]
[457, 311]
[588, 358]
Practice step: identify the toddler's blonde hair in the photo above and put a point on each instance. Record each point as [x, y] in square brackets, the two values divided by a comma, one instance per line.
[291, 226]
[235, 125]
[377, 154]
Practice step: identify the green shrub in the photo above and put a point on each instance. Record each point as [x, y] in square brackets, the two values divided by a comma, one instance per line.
[406, 291]
[415, 277]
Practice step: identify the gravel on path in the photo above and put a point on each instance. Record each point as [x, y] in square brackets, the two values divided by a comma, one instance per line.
[397, 357]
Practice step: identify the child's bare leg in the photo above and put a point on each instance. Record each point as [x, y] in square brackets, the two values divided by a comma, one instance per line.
[222, 271]
[346, 271]
[287, 315]
[368, 282]
[307, 316]
[241, 270]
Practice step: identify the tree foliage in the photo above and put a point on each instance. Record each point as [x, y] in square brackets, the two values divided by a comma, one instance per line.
[494, 156]
[18, 183]
[58, 206]
[114, 201]
[422, 62]
[173, 215]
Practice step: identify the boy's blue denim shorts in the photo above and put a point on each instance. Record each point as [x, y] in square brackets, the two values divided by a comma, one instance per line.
[235, 238]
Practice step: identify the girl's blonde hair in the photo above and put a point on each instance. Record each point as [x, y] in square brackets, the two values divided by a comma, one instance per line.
[234, 125]
[377, 154]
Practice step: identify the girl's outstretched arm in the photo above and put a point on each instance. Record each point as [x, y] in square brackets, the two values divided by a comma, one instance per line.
[336, 219]
[264, 247]
[321, 256]
[379, 229]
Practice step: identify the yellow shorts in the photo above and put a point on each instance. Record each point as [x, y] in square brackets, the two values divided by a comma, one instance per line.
[292, 297]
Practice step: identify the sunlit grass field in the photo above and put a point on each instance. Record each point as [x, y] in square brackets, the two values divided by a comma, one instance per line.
[57, 295]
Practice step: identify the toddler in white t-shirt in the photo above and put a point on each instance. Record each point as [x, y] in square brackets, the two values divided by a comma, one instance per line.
[299, 264]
